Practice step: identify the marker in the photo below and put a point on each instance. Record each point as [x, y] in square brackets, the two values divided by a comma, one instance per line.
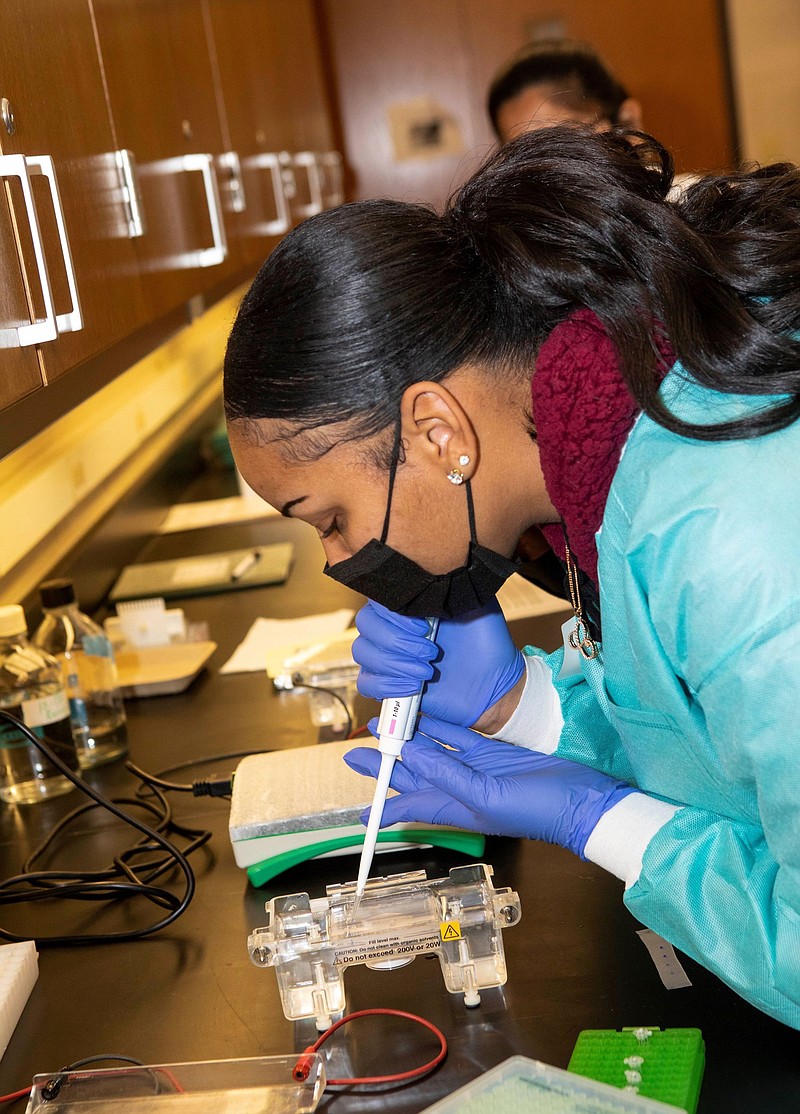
[245, 565]
[397, 723]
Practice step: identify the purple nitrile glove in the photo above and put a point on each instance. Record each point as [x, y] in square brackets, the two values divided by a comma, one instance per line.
[470, 666]
[493, 787]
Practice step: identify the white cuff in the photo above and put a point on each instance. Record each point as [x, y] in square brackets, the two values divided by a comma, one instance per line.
[622, 835]
[537, 720]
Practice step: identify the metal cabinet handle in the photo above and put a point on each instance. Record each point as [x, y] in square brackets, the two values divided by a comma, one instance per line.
[15, 166]
[209, 257]
[308, 159]
[71, 322]
[237, 202]
[331, 165]
[180, 164]
[282, 221]
[126, 163]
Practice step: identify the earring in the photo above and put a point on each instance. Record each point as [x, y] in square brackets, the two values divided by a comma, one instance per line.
[463, 460]
[455, 477]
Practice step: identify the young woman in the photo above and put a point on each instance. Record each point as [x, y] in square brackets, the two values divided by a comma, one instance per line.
[555, 81]
[563, 347]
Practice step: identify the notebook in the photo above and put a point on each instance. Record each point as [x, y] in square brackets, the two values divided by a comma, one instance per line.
[206, 574]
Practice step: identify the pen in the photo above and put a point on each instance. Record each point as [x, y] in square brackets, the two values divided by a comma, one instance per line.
[397, 723]
[246, 563]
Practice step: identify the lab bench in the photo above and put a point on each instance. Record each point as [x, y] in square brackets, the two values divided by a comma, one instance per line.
[190, 991]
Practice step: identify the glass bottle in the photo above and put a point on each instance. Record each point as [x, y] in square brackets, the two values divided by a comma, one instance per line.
[32, 690]
[89, 673]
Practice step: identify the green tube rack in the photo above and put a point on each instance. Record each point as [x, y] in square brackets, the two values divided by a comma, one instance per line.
[660, 1064]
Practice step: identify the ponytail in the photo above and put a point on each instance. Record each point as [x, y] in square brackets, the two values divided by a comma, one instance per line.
[358, 303]
[569, 218]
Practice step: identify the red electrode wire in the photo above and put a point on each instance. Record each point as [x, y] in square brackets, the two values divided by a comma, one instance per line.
[16, 1095]
[302, 1067]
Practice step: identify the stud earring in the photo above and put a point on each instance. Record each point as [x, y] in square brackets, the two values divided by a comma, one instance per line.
[455, 477]
[463, 460]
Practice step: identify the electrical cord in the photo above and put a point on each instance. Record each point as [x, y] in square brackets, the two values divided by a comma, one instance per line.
[126, 877]
[207, 787]
[302, 1068]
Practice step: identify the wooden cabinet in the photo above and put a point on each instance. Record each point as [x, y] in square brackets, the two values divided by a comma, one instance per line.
[162, 100]
[20, 371]
[274, 116]
[254, 119]
[150, 151]
[60, 126]
[300, 79]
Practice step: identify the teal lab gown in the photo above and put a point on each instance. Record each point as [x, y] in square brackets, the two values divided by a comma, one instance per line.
[696, 697]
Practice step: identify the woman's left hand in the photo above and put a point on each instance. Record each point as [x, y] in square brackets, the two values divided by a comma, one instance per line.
[493, 787]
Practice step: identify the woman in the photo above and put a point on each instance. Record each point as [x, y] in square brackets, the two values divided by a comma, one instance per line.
[556, 80]
[562, 347]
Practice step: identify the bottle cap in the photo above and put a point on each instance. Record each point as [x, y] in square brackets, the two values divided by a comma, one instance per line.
[57, 593]
[12, 620]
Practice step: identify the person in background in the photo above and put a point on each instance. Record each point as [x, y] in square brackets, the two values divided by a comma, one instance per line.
[555, 81]
[564, 347]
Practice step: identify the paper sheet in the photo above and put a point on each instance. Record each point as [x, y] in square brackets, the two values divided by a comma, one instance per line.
[214, 512]
[520, 599]
[270, 641]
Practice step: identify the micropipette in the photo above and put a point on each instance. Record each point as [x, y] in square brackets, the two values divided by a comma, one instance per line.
[397, 723]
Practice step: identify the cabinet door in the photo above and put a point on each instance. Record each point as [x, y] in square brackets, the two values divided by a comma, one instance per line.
[61, 126]
[256, 119]
[164, 109]
[275, 114]
[20, 372]
[301, 79]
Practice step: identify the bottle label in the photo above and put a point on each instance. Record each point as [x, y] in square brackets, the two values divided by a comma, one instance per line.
[97, 645]
[45, 709]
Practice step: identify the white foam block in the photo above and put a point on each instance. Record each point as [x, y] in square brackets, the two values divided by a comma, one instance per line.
[19, 970]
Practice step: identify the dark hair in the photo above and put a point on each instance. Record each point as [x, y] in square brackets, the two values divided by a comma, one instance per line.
[360, 302]
[582, 78]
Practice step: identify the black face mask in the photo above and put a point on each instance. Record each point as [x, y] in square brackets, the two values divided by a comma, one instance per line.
[382, 574]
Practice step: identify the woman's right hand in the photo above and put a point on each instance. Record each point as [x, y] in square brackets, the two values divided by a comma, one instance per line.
[473, 672]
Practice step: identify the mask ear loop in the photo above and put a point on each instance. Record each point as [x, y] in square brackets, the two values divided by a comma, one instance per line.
[473, 535]
[392, 474]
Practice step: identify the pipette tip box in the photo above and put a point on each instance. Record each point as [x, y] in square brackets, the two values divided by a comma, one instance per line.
[19, 969]
[521, 1084]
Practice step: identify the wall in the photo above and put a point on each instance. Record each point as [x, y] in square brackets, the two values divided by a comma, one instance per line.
[765, 57]
[392, 53]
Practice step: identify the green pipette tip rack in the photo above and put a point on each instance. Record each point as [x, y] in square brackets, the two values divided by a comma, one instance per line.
[660, 1064]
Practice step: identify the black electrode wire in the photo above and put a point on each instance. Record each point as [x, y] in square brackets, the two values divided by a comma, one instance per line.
[53, 1085]
[176, 858]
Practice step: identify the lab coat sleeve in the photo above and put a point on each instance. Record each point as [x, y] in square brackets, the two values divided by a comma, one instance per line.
[727, 892]
[586, 734]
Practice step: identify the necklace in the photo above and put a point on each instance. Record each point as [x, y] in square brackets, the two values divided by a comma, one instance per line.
[580, 639]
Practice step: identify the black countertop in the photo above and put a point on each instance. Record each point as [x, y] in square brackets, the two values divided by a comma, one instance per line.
[190, 991]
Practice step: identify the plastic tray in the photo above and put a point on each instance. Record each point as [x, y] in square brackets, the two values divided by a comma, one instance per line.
[522, 1085]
